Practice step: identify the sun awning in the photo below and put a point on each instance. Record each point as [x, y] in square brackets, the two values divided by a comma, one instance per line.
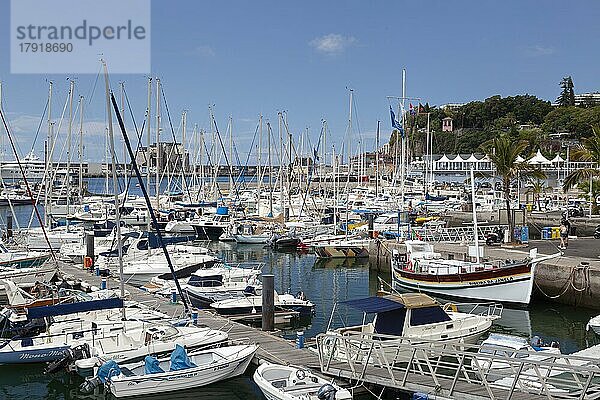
[72, 308]
[538, 159]
[373, 304]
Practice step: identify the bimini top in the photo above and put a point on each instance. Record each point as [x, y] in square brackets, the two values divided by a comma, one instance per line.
[374, 304]
[391, 302]
[413, 300]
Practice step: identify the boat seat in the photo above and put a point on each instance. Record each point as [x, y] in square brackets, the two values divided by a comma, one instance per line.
[302, 386]
[126, 371]
[279, 384]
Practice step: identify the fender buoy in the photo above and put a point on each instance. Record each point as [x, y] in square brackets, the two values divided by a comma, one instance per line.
[88, 262]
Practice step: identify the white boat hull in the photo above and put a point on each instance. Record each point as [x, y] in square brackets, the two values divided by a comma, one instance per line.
[517, 289]
[171, 381]
[252, 239]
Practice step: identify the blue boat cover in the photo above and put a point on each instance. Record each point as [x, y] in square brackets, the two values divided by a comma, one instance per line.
[152, 366]
[71, 308]
[108, 370]
[180, 359]
[373, 304]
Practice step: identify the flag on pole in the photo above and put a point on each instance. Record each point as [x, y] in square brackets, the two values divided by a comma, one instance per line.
[411, 109]
[395, 124]
[421, 109]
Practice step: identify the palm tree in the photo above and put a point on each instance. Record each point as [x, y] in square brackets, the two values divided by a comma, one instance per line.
[587, 151]
[538, 187]
[503, 152]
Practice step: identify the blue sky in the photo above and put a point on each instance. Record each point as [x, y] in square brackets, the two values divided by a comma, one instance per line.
[256, 57]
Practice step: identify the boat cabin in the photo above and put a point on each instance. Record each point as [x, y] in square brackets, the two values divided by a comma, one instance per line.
[398, 315]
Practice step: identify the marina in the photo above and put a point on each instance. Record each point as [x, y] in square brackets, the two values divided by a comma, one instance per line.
[299, 201]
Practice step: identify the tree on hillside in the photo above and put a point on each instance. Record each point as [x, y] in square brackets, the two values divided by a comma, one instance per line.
[575, 120]
[589, 151]
[567, 95]
[503, 152]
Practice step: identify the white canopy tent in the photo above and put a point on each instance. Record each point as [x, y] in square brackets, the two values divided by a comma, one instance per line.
[538, 159]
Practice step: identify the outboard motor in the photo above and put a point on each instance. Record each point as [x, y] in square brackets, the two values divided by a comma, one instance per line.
[88, 386]
[536, 342]
[326, 392]
[76, 353]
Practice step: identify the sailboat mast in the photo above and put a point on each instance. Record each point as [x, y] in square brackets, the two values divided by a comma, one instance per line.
[158, 155]
[183, 142]
[403, 141]
[349, 134]
[69, 133]
[335, 199]
[48, 160]
[201, 162]
[281, 169]
[115, 186]
[80, 152]
[377, 161]
[231, 183]
[122, 87]
[270, 170]
[258, 171]
[148, 119]
[475, 228]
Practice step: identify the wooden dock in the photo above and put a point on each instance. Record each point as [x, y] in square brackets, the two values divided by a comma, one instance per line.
[272, 348]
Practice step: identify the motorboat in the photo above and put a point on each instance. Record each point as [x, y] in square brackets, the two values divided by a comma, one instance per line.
[282, 382]
[212, 227]
[180, 371]
[137, 273]
[213, 285]
[207, 285]
[128, 340]
[21, 259]
[26, 277]
[253, 304]
[420, 268]
[497, 348]
[259, 238]
[416, 317]
[594, 324]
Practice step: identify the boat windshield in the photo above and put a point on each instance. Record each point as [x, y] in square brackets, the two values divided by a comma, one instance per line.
[503, 351]
[428, 315]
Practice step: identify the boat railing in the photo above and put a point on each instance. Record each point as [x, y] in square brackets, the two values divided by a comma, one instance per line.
[456, 370]
[487, 309]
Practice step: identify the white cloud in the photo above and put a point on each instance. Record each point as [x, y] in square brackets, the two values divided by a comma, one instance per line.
[538, 50]
[332, 43]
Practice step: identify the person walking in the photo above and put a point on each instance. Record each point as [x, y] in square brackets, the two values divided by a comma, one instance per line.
[565, 228]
